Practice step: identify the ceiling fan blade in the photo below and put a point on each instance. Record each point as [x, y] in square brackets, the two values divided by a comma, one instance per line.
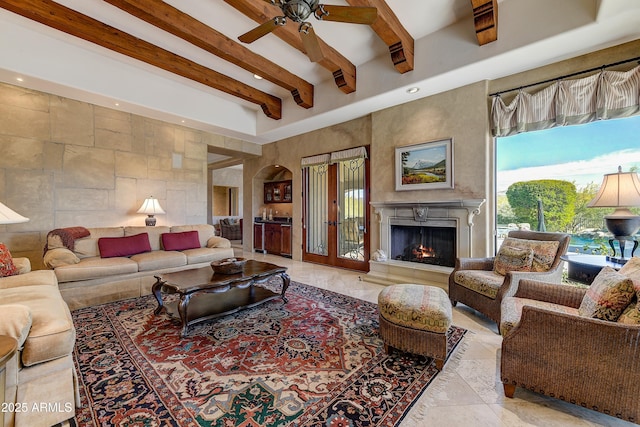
[310, 42]
[351, 14]
[262, 30]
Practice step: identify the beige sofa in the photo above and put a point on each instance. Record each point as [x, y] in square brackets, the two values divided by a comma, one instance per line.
[85, 278]
[41, 382]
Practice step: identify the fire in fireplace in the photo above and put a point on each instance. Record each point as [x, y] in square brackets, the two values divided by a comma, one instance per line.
[424, 244]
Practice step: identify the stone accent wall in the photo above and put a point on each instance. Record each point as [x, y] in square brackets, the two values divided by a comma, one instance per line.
[68, 163]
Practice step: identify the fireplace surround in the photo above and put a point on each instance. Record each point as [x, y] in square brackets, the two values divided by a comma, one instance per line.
[422, 240]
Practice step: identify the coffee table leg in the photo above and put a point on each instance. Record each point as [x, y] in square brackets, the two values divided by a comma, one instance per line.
[285, 284]
[156, 293]
[182, 310]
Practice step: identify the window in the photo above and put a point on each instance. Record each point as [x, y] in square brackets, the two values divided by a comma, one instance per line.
[579, 154]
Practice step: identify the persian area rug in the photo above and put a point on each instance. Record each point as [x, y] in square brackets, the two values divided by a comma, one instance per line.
[314, 361]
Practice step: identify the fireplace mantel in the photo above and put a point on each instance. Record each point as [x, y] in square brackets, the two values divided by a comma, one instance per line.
[461, 212]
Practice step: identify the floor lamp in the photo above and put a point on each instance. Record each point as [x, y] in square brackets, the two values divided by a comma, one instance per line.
[620, 190]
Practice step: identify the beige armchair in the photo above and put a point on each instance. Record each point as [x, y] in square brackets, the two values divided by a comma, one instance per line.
[482, 283]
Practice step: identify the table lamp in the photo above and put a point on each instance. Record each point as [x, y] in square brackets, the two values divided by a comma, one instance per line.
[9, 216]
[151, 207]
[620, 190]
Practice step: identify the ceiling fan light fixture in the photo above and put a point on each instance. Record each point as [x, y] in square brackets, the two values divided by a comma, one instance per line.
[299, 10]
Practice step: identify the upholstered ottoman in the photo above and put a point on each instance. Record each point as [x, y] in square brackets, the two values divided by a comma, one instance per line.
[415, 319]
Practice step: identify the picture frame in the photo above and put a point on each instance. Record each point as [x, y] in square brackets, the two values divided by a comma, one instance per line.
[424, 166]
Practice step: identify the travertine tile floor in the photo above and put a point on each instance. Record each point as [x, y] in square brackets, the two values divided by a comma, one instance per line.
[468, 392]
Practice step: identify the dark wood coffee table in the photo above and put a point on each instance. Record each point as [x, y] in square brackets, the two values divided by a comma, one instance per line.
[205, 295]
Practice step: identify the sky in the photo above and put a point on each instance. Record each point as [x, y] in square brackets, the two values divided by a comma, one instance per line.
[581, 154]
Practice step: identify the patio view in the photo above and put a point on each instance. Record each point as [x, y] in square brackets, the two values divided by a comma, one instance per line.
[545, 179]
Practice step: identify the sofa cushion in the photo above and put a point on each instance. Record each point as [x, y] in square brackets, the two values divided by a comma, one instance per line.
[218, 242]
[154, 232]
[96, 267]
[544, 251]
[7, 268]
[16, 322]
[200, 255]
[205, 231]
[124, 246]
[180, 241]
[484, 282]
[158, 260]
[88, 246]
[513, 259]
[609, 294]
[511, 311]
[52, 334]
[32, 278]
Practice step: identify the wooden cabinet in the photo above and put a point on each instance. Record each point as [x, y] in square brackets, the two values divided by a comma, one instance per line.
[278, 192]
[285, 232]
[258, 237]
[273, 239]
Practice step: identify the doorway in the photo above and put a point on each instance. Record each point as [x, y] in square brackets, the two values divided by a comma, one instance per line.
[336, 214]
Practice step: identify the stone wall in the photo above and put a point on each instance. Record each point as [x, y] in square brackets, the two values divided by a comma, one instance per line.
[68, 163]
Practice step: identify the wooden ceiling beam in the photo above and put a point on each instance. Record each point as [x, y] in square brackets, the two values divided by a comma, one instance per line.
[485, 19]
[392, 32]
[178, 23]
[69, 21]
[344, 72]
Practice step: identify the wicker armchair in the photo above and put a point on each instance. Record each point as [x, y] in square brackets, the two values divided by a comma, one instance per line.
[553, 351]
[492, 287]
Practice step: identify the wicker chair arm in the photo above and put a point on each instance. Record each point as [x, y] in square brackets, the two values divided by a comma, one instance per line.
[567, 295]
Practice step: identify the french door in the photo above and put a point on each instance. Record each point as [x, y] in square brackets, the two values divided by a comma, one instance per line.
[336, 211]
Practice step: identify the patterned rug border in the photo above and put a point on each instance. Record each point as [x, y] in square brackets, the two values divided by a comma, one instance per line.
[171, 400]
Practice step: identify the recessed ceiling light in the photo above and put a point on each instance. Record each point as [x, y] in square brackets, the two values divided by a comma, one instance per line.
[20, 79]
[182, 121]
[117, 104]
[413, 90]
[257, 77]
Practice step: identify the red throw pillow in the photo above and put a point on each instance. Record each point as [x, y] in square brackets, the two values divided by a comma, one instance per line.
[180, 241]
[7, 267]
[124, 246]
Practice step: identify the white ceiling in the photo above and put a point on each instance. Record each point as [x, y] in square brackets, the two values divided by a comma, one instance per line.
[531, 33]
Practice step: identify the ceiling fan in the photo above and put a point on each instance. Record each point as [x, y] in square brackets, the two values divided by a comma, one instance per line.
[300, 10]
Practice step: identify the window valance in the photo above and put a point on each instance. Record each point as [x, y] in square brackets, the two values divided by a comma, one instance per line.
[605, 95]
[336, 156]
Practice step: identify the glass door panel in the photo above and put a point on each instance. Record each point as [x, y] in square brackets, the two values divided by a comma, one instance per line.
[351, 209]
[316, 218]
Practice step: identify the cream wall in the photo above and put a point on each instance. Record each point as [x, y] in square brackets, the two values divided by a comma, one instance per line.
[68, 163]
[460, 114]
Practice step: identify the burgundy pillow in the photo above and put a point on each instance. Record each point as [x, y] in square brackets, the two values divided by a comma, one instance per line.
[7, 267]
[124, 246]
[180, 241]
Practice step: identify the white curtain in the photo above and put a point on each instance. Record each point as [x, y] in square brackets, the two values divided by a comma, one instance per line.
[605, 95]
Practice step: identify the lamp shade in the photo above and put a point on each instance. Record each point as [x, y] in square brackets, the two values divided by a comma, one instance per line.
[151, 206]
[9, 216]
[618, 190]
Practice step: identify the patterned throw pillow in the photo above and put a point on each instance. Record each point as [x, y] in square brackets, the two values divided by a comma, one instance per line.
[632, 270]
[544, 251]
[7, 267]
[609, 294]
[631, 314]
[513, 259]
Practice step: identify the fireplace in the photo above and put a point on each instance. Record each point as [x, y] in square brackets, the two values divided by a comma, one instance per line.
[420, 241]
[424, 244]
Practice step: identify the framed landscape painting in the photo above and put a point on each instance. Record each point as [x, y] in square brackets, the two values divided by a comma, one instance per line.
[425, 166]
